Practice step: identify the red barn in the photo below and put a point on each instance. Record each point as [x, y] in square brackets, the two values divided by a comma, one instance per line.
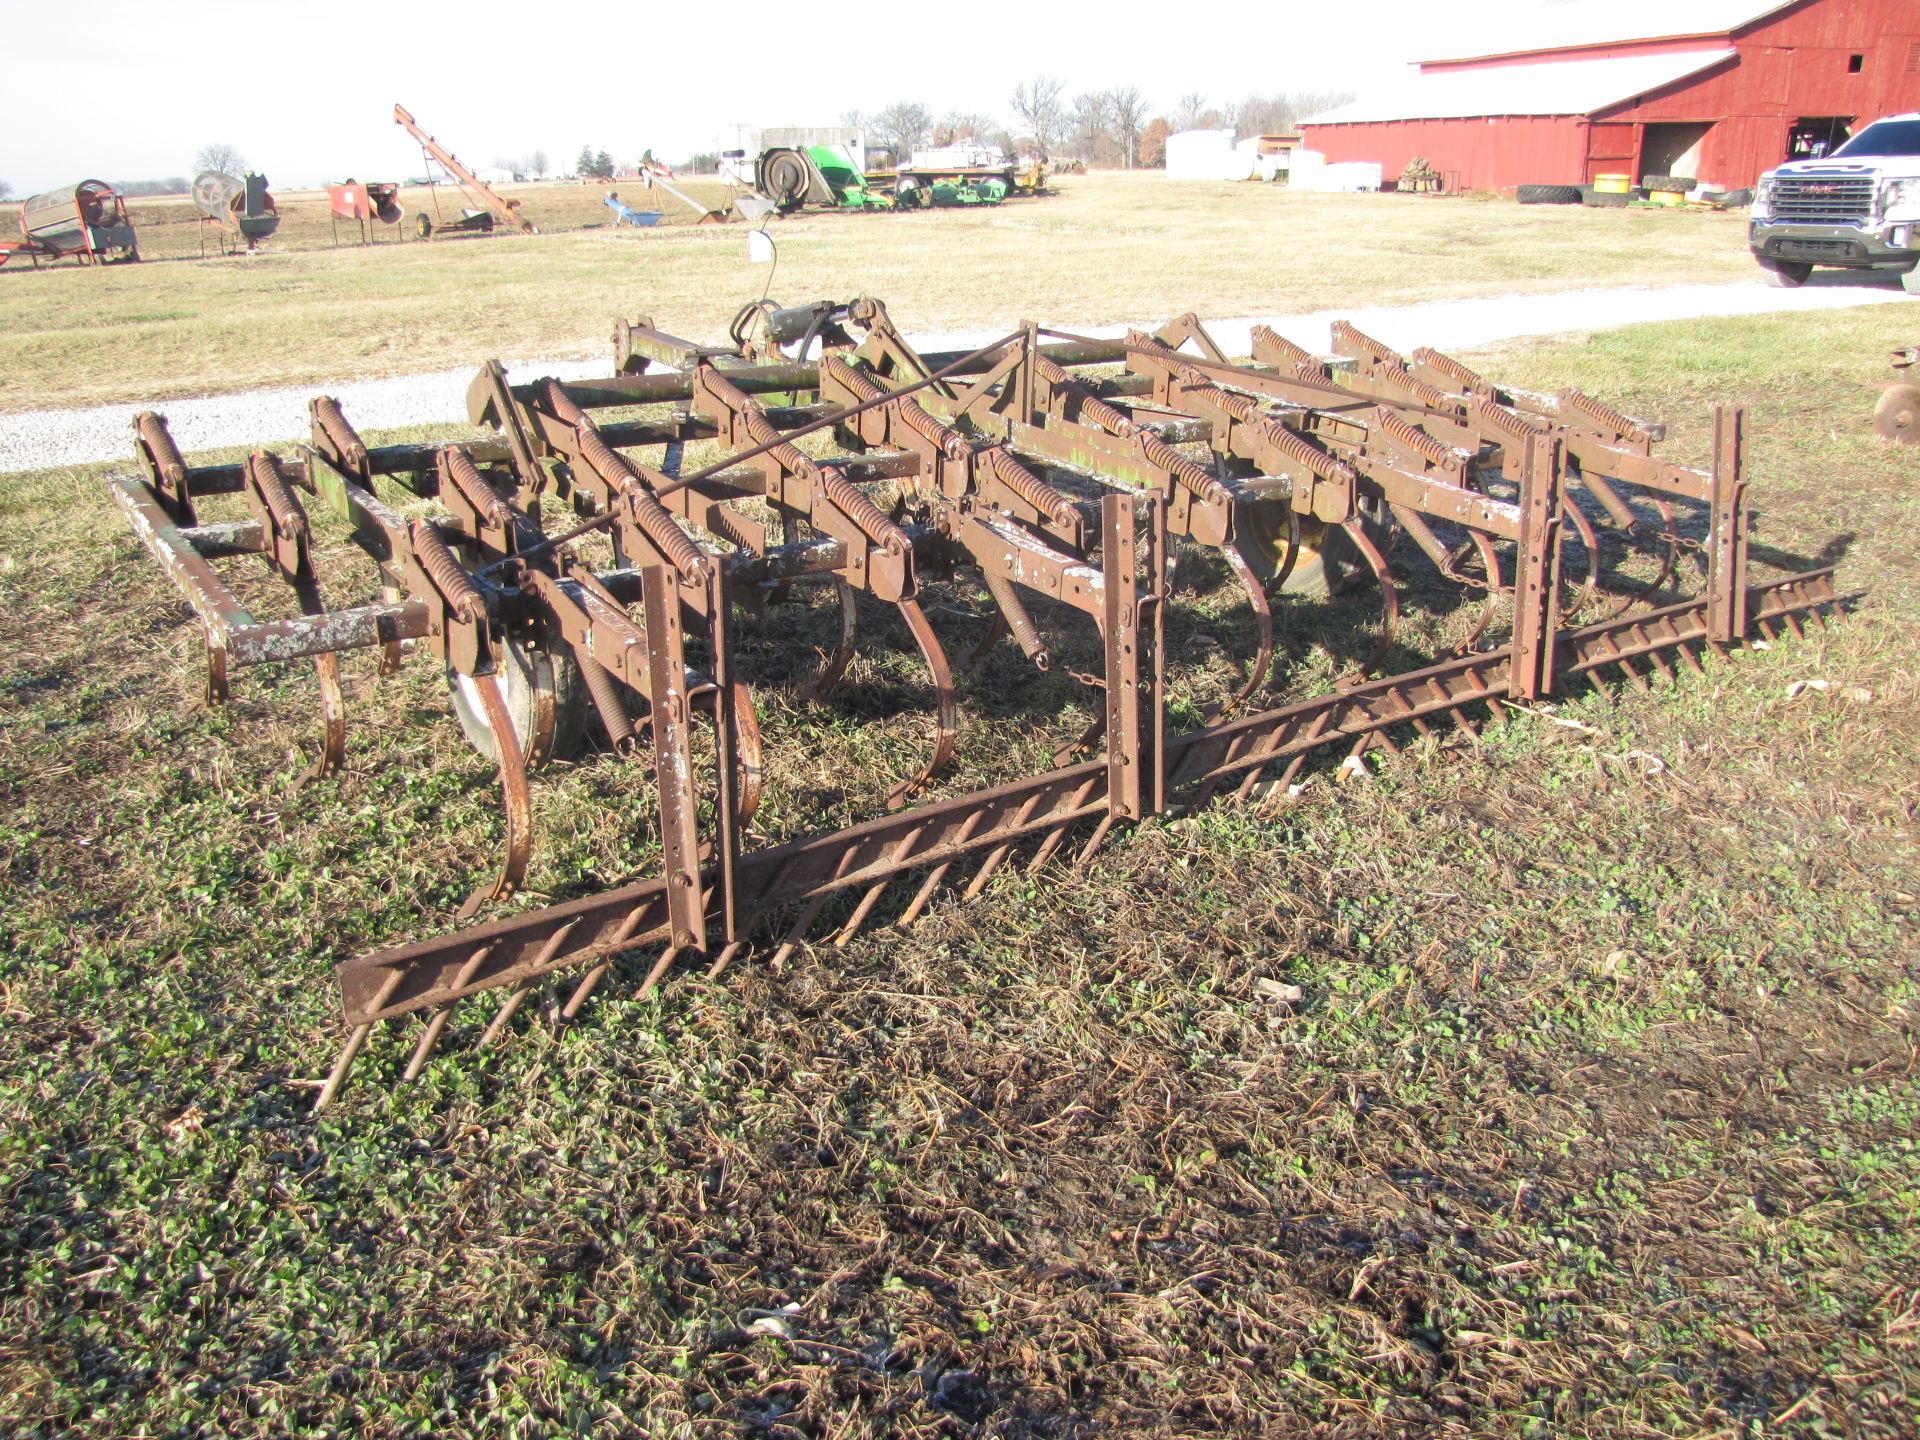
[1715, 89]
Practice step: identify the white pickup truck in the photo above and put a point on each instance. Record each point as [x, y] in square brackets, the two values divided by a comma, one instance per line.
[1857, 209]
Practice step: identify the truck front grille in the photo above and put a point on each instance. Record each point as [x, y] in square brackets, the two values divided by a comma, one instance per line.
[1823, 199]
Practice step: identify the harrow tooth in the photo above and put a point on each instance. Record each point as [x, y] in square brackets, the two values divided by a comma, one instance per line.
[989, 458]
[337, 1076]
[503, 1017]
[583, 992]
[922, 896]
[724, 959]
[986, 871]
[797, 932]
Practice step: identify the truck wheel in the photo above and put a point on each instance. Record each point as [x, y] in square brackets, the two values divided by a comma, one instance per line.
[1785, 274]
[1910, 282]
[1548, 194]
[1897, 416]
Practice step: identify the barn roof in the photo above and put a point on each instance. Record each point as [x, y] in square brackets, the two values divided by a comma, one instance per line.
[1563, 24]
[1552, 87]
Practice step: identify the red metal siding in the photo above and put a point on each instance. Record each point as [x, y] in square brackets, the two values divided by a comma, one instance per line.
[1789, 64]
[1792, 65]
[1486, 153]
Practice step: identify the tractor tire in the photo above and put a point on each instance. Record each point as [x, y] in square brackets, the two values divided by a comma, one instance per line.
[1673, 184]
[1608, 200]
[1897, 416]
[784, 178]
[1737, 199]
[1548, 194]
[1785, 274]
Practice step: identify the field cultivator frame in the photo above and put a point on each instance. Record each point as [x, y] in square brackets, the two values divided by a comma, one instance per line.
[1059, 471]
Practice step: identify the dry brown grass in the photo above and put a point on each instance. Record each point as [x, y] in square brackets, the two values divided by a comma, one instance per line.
[1107, 247]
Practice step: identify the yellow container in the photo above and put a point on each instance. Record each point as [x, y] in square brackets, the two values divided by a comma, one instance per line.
[1667, 197]
[1611, 184]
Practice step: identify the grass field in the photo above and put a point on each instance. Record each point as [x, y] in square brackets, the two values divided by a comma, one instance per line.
[1596, 1115]
[1109, 246]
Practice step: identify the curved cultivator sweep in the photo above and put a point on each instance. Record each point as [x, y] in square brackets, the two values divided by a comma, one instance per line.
[1058, 471]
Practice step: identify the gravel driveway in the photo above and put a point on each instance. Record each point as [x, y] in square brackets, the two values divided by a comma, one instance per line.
[36, 439]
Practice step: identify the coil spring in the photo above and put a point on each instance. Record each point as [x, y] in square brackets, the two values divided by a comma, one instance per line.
[1414, 439]
[468, 480]
[1109, 418]
[930, 426]
[608, 701]
[1514, 426]
[443, 567]
[1326, 466]
[1466, 379]
[605, 461]
[159, 442]
[1425, 394]
[562, 404]
[852, 502]
[1602, 413]
[852, 378]
[1031, 488]
[289, 520]
[1316, 373]
[1265, 338]
[762, 431]
[1346, 340]
[1194, 476]
[680, 548]
[334, 424]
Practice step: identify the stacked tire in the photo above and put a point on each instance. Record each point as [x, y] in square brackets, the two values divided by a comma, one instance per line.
[1548, 194]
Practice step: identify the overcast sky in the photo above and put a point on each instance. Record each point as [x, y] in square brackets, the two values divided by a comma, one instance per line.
[130, 89]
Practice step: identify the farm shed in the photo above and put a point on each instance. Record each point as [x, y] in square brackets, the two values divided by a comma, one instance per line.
[1720, 90]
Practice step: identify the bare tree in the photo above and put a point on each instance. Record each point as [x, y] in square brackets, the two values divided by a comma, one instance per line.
[854, 119]
[1189, 112]
[220, 156]
[537, 163]
[1037, 104]
[903, 125]
[1127, 111]
[5, 189]
[958, 125]
[1090, 121]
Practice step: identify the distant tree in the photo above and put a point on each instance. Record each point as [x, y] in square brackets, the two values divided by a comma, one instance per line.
[957, 126]
[1089, 121]
[5, 189]
[583, 163]
[1190, 111]
[220, 156]
[602, 165]
[705, 163]
[1127, 111]
[537, 163]
[1153, 142]
[854, 119]
[1036, 103]
[904, 125]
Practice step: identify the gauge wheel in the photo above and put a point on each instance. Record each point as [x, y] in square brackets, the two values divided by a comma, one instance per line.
[1897, 416]
[534, 677]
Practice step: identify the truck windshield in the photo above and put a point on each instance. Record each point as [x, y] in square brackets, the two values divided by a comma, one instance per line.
[1884, 137]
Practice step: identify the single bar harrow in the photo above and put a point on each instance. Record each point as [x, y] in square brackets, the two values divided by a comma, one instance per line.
[1071, 479]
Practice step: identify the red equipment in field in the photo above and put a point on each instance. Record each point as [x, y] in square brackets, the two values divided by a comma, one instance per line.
[364, 202]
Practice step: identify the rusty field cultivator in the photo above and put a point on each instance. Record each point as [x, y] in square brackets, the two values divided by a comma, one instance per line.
[1072, 479]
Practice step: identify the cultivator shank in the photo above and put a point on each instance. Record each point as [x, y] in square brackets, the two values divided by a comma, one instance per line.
[1073, 480]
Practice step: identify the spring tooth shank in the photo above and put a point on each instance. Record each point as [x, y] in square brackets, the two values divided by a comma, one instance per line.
[288, 518]
[473, 485]
[166, 455]
[436, 557]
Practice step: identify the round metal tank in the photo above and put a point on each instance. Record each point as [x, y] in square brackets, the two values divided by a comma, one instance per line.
[58, 218]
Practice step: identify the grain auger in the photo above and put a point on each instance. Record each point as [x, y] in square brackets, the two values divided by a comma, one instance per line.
[1067, 476]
